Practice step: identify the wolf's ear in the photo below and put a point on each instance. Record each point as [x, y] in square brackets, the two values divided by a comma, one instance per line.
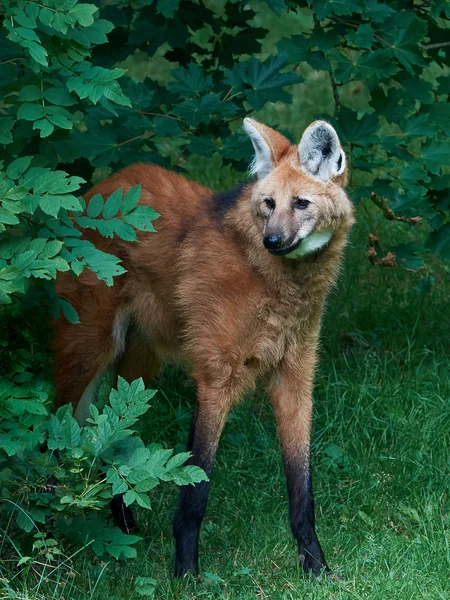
[320, 152]
[269, 147]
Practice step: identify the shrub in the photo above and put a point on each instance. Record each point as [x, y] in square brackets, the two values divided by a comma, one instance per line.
[48, 82]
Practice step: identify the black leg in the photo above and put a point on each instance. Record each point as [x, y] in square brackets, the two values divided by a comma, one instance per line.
[205, 433]
[301, 507]
[122, 514]
[291, 395]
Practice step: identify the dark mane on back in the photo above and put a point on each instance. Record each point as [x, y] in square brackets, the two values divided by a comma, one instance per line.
[223, 202]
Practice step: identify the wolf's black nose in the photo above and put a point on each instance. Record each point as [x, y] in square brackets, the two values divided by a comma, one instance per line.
[272, 242]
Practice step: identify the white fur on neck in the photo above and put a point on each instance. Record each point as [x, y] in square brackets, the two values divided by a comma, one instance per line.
[312, 242]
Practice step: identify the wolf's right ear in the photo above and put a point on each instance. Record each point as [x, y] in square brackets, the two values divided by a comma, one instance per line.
[320, 152]
[269, 147]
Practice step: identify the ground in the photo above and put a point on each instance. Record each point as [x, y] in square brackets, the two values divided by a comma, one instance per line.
[380, 463]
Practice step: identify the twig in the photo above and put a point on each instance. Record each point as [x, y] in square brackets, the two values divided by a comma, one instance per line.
[382, 203]
[372, 223]
[337, 103]
[431, 46]
[11, 60]
[143, 112]
[138, 137]
[408, 151]
[381, 40]
[247, 112]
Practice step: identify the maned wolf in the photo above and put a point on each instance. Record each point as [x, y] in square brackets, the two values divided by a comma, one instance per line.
[232, 284]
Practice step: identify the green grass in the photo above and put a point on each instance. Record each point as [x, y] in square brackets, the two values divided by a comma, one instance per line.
[380, 461]
[380, 464]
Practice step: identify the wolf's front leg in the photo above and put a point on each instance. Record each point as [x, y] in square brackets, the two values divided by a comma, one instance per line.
[213, 406]
[291, 395]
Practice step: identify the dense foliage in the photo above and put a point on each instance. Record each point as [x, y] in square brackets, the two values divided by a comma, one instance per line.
[88, 88]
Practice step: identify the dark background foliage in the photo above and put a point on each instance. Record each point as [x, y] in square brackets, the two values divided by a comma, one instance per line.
[88, 88]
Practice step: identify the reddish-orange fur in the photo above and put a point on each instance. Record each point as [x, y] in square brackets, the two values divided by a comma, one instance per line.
[204, 290]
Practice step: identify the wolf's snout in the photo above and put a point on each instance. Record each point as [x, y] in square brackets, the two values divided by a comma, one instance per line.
[272, 242]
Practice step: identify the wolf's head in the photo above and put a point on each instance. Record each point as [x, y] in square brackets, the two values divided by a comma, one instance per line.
[298, 198]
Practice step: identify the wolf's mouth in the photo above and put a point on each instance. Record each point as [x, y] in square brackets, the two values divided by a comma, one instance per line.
[288, 250]
[308, 245]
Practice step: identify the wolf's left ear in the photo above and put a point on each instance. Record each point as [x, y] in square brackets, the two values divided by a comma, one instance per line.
[320, 152]
[269, 147]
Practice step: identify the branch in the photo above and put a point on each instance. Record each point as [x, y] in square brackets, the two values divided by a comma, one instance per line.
[155, 114]
[11, 60]
[383, 204]
[337, 103]
[431, 46]
[138, 137]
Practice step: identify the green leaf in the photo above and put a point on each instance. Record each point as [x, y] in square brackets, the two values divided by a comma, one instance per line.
[59, 96]
[325, 8]
[69, 311]
[95, 206]
[94, 34]
[439, 242]
[51, 249]
[30, 112]
[356, 132]
[202, 145]
[213, 577]
[405, 42]
[371, 66]
[362, 37]
[236, 147]
[277, 5]
[8, 445]
[203, 109]
[190, 81]
[61, 22]
[30, 93]
[6, 125]
[177, 460]
[112, 204]
[296, 49]
[419, 125]
[436, 155]
[71, 432]
[106, 266]
[24, 521]
[143, 500]
[407, 256]
[59, 120]
[46, 128]
[18, 167]
[56, 182]
[119, 487]
[131, 199]
[129, 497]
[46, 16]
[83, 14]
[167, 7]
[166, 126]
[123, 230]
[141, 218]
[377, 12]
[37, 52]
[7, 216]
[266, 75]
[145, 586]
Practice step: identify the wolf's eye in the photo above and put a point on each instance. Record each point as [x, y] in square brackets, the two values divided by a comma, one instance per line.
[269, 202]
[301, 203]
